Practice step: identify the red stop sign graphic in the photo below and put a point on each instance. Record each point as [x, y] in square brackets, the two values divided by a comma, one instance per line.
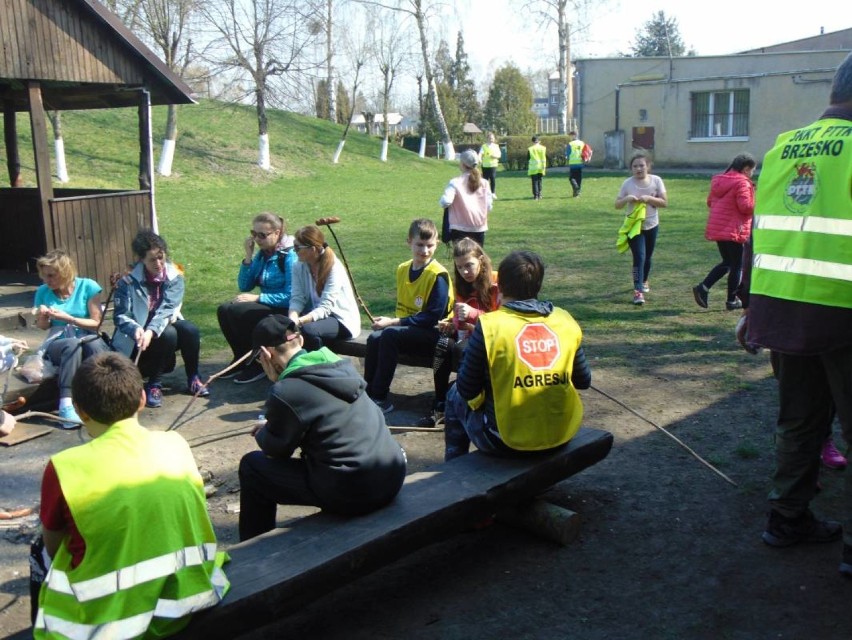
[538, 346]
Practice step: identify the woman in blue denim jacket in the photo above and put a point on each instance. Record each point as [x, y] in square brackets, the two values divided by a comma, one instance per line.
[270, 269]
[147, 318]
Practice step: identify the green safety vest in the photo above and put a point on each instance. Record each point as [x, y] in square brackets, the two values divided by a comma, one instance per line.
[803, 217]
[138, 501]
[575, 152]
[530, 361]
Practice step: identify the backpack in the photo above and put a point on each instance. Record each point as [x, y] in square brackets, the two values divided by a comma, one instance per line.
[586, 153]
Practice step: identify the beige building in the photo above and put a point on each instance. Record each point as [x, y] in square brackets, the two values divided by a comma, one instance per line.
[701, 111]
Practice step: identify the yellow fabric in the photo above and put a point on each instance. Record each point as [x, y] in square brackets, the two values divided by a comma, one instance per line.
[631, 227]
[412, 296]
[138, 501]
[576, 155]
[538, 159]
[530, 361]
[803, 217]
[490, 154]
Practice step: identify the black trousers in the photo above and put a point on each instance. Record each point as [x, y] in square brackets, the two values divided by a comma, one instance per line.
[237, 321]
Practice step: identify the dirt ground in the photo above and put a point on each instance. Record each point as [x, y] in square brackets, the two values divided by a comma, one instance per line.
[668, 549]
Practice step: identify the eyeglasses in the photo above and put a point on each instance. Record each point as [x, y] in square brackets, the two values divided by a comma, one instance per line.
[299, 247]
[260, 235]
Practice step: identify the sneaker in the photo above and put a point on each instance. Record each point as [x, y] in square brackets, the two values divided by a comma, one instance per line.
[638, 297]
[784, 532]
[70, 419]
[846, 565]
[700, 294]
[196, 388]
[385, 405]
[434, 420]
[831, 457]
[153, 396]
[646, 288]
[732, 305]
[493, 196]
[251, 373]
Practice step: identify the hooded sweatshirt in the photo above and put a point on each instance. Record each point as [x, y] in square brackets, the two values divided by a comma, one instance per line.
[731, 202]
[320, 405]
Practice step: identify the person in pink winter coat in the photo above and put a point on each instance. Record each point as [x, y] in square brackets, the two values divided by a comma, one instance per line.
[731, 203]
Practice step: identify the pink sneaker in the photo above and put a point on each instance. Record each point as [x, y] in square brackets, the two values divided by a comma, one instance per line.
[831, 457]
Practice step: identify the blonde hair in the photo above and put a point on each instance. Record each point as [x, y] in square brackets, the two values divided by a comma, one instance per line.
[276, 221]
[60, 260]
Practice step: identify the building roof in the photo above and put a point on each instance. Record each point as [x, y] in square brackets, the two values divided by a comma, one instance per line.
[82, 56]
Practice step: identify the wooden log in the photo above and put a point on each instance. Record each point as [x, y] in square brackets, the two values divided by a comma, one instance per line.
[543, 519]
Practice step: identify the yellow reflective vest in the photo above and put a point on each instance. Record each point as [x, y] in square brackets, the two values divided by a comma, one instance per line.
[490, 154]
[803, 217]
[530, 361]
[412, 296]
[151, 559]
[538, 160]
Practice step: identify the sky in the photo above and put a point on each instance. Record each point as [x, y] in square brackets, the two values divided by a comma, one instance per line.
[499, 31]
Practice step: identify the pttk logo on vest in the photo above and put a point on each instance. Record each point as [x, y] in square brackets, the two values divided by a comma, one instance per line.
[537, 346]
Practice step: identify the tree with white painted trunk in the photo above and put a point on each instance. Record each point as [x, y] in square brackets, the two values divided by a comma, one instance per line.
[58, 146]
[391, 52]
[359, 45]
[419, 10]
[270, 42]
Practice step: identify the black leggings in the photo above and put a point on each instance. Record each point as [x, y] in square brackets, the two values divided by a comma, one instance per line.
[732, 264]
[238, 320]
[159, 357]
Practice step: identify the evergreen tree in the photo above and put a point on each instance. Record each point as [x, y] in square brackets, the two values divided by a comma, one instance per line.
[508, 110]
[343, 105]
[463, 85]
[321, 100]
[660, 36]
[444, 65]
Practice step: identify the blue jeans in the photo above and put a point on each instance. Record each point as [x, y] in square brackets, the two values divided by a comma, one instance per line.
[642, 248]
[463, 425]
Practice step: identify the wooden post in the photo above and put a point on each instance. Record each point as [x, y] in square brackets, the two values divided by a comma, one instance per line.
[38, 122]
[10, 131]
[543, 519]
[146, 153]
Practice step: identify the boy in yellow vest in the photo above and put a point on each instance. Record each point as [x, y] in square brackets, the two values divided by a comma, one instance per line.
[423, 295]
[516, 389]
[537, 166]
[127, 542]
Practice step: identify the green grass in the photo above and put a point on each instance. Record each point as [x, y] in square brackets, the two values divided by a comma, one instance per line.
[205, 209]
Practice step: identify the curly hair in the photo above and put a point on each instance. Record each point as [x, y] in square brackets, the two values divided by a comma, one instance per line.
[60, 260]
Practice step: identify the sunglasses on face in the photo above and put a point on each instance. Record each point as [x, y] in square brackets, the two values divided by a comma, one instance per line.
[260, 235]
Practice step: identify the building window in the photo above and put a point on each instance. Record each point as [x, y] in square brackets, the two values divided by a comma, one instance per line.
[554, 99]
[720, 114]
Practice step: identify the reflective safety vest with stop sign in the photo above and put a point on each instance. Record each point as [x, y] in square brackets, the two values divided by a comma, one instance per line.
[530, 361]
[151, 558]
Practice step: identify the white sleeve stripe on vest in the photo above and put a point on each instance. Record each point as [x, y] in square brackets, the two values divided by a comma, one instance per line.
[131, 627]
[813, 224]
[804, 266]
[129, 577]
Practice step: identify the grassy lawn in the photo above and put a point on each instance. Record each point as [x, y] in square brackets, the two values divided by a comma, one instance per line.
[205, 210]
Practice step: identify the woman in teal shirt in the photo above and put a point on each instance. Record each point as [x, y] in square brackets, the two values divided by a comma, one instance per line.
[70, 308]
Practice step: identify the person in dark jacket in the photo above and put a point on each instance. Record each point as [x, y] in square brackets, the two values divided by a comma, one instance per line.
[349, 463]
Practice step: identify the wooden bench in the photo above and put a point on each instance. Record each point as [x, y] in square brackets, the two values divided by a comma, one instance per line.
[281, 571]
[357, 348]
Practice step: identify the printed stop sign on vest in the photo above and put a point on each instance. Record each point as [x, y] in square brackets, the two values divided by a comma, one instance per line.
[537, 346]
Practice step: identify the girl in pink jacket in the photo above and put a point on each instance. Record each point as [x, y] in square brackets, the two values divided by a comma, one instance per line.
[731, 203]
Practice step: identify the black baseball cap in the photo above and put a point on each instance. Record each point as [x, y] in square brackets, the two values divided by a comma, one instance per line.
[272, 331]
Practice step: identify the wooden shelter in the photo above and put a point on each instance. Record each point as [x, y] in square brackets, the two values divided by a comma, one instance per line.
[64, 55]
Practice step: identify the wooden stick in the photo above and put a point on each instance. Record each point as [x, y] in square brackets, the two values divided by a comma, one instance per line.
[216, 375]
[43, 414]
[668, 433]
[394, 427]
[330, 220]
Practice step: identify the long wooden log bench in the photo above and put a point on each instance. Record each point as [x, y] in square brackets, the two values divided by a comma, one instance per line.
[357, 348]
[279, 572]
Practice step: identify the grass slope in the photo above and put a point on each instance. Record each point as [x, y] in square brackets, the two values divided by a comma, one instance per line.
[206, 206]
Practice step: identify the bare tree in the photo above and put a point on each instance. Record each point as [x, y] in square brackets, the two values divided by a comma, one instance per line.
[390, 49]
[128, 11]
[166, 23]
[329, 61]
[359, 45]
[419, 12]
[268, 40]
[556, 12]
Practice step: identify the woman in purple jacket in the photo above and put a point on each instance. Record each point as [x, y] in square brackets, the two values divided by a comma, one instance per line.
[731, 203]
